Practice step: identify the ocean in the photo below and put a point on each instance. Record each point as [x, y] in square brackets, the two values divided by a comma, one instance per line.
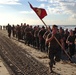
[63, 26]
[68, 27]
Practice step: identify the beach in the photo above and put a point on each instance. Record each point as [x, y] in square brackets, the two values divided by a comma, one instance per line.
[61, 68]
[4, 69]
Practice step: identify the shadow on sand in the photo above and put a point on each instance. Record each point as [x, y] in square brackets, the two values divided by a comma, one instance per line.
[65, 59]
[54, 73]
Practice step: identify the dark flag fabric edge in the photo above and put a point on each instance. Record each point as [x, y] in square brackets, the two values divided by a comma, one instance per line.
[39, 11]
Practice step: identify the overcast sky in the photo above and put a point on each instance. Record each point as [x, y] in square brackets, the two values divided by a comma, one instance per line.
[60, 12]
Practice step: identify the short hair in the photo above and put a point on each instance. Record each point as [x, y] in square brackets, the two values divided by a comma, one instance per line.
[54, 26]
[43, 27]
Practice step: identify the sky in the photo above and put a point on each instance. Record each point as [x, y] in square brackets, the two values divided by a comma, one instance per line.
[59, 12]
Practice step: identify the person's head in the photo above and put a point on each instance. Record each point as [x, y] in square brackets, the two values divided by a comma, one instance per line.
[54, 28]
[43, 27]
[61, 30]
[71, 32]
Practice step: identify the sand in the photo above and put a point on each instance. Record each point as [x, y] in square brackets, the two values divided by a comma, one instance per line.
[62, 68]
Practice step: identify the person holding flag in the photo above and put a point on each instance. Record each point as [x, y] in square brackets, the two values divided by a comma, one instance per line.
[54, 47]
[54, 39]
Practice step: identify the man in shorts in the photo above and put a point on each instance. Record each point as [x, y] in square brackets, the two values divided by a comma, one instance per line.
[54, 47]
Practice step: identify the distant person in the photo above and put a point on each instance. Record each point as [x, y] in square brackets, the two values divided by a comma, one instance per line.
[37, 37]
[13, 31]
[54, 47]
[45, 37]
[0, 27]
[9, 30]
[66, 33]
[28, 35]
[74, 31]
[18, 32]
[71, 43]
[41, 39]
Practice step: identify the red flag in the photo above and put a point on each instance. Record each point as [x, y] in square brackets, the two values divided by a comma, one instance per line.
[39, 11]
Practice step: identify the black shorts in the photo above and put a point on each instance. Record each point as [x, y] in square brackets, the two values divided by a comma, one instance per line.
[55, 53]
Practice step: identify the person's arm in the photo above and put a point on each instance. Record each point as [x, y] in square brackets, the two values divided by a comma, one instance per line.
[49, 39]
[68, 42]
[44, 36]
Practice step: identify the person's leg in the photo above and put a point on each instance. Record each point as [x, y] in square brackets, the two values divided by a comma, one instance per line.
[51, 57]
[58, 56]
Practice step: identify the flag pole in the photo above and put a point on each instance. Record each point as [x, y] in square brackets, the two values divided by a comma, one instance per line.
[63, 49]
[44, 23]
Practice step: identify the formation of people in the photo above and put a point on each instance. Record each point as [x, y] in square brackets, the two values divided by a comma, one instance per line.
[45, 39]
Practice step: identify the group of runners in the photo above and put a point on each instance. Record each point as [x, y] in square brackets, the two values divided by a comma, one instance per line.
[52, 40]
